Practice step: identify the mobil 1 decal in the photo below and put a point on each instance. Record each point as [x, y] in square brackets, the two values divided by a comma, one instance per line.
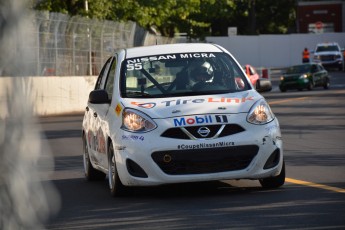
[201, 120]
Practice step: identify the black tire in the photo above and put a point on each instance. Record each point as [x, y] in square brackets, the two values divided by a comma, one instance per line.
[115, 184]
[274, 182]
[257, 86]
[90, 172]
[310, 85]
[326, 84]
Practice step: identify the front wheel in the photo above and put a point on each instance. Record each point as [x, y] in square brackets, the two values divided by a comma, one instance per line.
[257, 85]
[274, 182]
[90, 172]
[326, 84]
[282, 89]
[310, 85]
[115, 184]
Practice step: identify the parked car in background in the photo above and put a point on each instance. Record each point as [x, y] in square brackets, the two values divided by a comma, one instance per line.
[330, 55]
[305, 76]
[190, 121]
[261, 84]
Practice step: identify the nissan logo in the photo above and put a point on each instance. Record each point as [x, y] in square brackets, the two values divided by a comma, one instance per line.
[203, 131]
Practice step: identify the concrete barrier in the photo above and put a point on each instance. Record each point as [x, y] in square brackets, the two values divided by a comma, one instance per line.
[49, 95]
[53, 95]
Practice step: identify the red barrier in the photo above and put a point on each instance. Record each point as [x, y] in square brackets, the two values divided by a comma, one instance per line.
[265, 73]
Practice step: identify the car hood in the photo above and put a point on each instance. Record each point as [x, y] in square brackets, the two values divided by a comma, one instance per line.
[327, 53]
[190, 105]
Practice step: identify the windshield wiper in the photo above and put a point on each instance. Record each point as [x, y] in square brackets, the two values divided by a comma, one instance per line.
[138, 93]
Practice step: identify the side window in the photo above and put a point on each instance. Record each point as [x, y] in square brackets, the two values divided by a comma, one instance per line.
[314, 68]
[103, 73]
[109, 84]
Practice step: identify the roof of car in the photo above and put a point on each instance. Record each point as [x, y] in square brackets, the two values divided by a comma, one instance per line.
[171, 48]
[327, 44]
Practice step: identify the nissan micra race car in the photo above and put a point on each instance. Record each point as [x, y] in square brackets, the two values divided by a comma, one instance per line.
[178, 113]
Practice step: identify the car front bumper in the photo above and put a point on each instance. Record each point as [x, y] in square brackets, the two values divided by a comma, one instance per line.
[162, 160]
[297, 84]
[338, 63]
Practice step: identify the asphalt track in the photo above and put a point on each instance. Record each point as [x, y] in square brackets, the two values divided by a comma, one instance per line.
[313, 197]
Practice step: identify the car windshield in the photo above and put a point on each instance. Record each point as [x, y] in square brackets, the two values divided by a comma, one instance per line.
[298, 69]
[181, 74]
[327, 48]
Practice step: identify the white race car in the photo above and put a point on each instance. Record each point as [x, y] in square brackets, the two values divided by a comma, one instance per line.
[178, 113]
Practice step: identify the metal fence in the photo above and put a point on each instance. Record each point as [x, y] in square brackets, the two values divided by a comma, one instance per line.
[61, 45]
[75, 45]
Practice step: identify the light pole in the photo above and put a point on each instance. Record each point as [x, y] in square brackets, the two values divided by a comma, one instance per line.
[89, 36]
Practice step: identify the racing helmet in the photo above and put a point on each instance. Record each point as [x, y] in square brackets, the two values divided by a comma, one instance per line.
[202, 72]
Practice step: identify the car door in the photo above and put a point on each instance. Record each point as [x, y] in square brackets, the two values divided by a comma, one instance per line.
[101, 116]
[94, 137]
[320, 75]
[316, 74]
[324, 77]
[324, 74]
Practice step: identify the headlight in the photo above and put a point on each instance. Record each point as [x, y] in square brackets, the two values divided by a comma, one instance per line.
[136, 121]
[260, 113]
[282, 78]
[303, 76]
[337, 57]
[316, 57]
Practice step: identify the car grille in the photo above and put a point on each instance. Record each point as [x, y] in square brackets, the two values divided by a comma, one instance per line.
[191, 132]
[291, 85]
[209, 160]
[291, 78]
[327, 57]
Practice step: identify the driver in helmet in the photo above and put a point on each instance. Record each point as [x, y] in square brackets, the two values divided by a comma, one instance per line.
[201, 74]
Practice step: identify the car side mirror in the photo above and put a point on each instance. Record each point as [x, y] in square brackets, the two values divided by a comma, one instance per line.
[99, 96]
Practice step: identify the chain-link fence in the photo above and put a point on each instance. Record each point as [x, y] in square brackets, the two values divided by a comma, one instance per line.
[62, 45]
[76, 45]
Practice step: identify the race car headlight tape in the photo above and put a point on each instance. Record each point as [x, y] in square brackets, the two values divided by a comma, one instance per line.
[260, 113]
[136, 121]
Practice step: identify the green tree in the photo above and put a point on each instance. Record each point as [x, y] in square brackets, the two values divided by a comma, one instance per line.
[217, 14]
[275, 17]
[197, 18]
[168, 16]
[99, 9]
[249, 16]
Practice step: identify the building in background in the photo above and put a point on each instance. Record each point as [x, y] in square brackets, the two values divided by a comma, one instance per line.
[321, 16]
